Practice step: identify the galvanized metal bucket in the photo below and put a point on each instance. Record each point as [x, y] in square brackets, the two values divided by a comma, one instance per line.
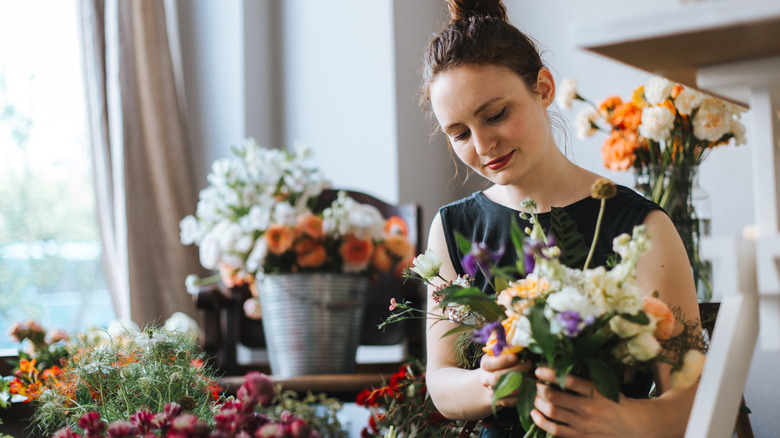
[312, 322]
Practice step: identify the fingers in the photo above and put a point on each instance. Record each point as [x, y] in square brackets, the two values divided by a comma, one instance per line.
[496, 363]
[582, 387]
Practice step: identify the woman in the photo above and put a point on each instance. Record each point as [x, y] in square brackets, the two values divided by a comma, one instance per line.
[489, 91]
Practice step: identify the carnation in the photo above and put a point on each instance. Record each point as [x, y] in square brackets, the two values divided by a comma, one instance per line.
[585, 123]
[657, 90]
[567, 93]
[711, 122]
[657, 123]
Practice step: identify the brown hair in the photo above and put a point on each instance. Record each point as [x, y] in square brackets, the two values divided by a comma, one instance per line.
[479, 33]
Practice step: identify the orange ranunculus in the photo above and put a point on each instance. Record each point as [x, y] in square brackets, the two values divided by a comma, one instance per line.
[382, 259]
[310, 225]
[617, 152]
[396, 225]
[310, 253]
[608, 105]
[664, 326]
[232, 277]
[406, 262]
[279, 238]
[627, 116]
[398, 246]
[356, 253]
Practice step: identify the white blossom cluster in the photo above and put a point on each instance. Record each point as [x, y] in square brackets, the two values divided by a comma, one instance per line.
[347, 216]
[247, 193]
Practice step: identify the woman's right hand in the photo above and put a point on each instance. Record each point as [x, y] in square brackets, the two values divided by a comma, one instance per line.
[491, 368]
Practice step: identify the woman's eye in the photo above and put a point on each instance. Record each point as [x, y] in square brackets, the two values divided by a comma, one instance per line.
[461, 136]
[498, 116]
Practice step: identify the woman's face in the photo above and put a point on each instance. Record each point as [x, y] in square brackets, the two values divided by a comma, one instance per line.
[495, 123]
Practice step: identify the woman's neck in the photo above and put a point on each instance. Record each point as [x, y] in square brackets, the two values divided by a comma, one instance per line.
[559, 184]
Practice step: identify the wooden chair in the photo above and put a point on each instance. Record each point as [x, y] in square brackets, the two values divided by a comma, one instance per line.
[225, 326]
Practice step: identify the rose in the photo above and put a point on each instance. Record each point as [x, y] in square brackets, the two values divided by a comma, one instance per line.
[643, 347]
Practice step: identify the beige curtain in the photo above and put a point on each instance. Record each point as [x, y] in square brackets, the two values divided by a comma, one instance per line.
[143, 173]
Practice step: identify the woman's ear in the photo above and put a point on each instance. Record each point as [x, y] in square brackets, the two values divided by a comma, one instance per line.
[545, 86]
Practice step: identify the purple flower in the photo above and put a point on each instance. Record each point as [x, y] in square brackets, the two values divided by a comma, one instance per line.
[483, 335]
[570, 322]
[480, 258]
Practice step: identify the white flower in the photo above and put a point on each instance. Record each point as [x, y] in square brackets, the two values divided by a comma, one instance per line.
[209, 251]
[687, 100]
[259, 218]
[570, 299]
[693, 364]
[711, 121]
[123, 327]
[657, 90]
[738, 129]
[657, 123]
[585, 123]
[190, 231]
[284, 213]
[522, 332]
[252, 308]
[182, 323]
[427, 265]
[256, 258]
[191, 283]
[243, 244]
[567, 93]
[643, 347]
[623, 327]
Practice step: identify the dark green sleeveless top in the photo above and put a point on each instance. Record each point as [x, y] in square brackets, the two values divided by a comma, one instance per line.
[479, 219]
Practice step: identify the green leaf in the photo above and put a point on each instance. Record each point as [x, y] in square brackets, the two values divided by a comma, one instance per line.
[464, 245]
[604, 377]
[505, 386]
[582, 346]
[540, 331]
[574, 249]
[457, 330]
[525, 401]
[501, 283]
[640, 318]
[477, 300]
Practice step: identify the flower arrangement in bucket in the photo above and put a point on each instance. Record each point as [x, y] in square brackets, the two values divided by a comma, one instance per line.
[664, 133]
[558, 312]
[256, 223]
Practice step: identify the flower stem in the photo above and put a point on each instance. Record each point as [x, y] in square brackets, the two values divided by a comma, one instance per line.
[595, 234]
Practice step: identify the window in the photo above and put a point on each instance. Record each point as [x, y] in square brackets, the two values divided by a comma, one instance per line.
[50, 267]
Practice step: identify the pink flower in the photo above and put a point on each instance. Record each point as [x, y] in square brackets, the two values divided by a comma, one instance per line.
[270, 430]
[257, 388]
[299, 429]
[65, 433]
[91, 423]
[142, 420]
[188, 426]
[122, 429]
[393, 304]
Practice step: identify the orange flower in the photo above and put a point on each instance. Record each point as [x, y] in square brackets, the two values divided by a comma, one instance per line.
[356, 253]
[526, 289]
[396, 225]
[639, 97]
[608, 105]
[406, 262]
[627, 116]
[664, 326]
[617, 152]
[310, 253]
[310, 225]
[676, 90]
[382, 259]
[279, 238]
[398, 246]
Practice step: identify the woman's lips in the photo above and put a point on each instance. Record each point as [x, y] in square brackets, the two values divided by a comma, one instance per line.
[499, 162]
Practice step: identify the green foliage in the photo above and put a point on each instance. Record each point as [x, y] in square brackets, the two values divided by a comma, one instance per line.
[318, 410]
[478, 301]
[572, 244]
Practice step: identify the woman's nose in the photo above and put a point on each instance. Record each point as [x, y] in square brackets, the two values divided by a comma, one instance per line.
[484, 142]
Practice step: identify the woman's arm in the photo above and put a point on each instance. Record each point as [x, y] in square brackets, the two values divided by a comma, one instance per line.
[457, 393]
[664, 268]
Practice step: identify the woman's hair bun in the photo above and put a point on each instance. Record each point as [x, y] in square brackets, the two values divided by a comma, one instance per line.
[461, 10]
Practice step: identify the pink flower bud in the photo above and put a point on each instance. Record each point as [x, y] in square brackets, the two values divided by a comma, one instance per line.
[257, 388]
[270, 430]
[65, 433]
[299, 429]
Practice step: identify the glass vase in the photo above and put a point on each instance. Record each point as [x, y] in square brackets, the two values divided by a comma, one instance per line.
[676, 189]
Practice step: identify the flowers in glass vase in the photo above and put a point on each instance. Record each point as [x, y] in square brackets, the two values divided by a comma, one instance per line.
[257, 217]
[663, 133]
[595, 323]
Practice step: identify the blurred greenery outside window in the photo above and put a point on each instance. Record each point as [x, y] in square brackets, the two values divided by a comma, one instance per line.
[50, 252]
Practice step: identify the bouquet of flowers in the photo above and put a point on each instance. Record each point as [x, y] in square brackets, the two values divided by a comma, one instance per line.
[664, 133]
[257, 217]
[556, 311]
[402, 407]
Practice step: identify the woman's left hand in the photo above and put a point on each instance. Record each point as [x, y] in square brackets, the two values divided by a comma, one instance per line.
[580, 411]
